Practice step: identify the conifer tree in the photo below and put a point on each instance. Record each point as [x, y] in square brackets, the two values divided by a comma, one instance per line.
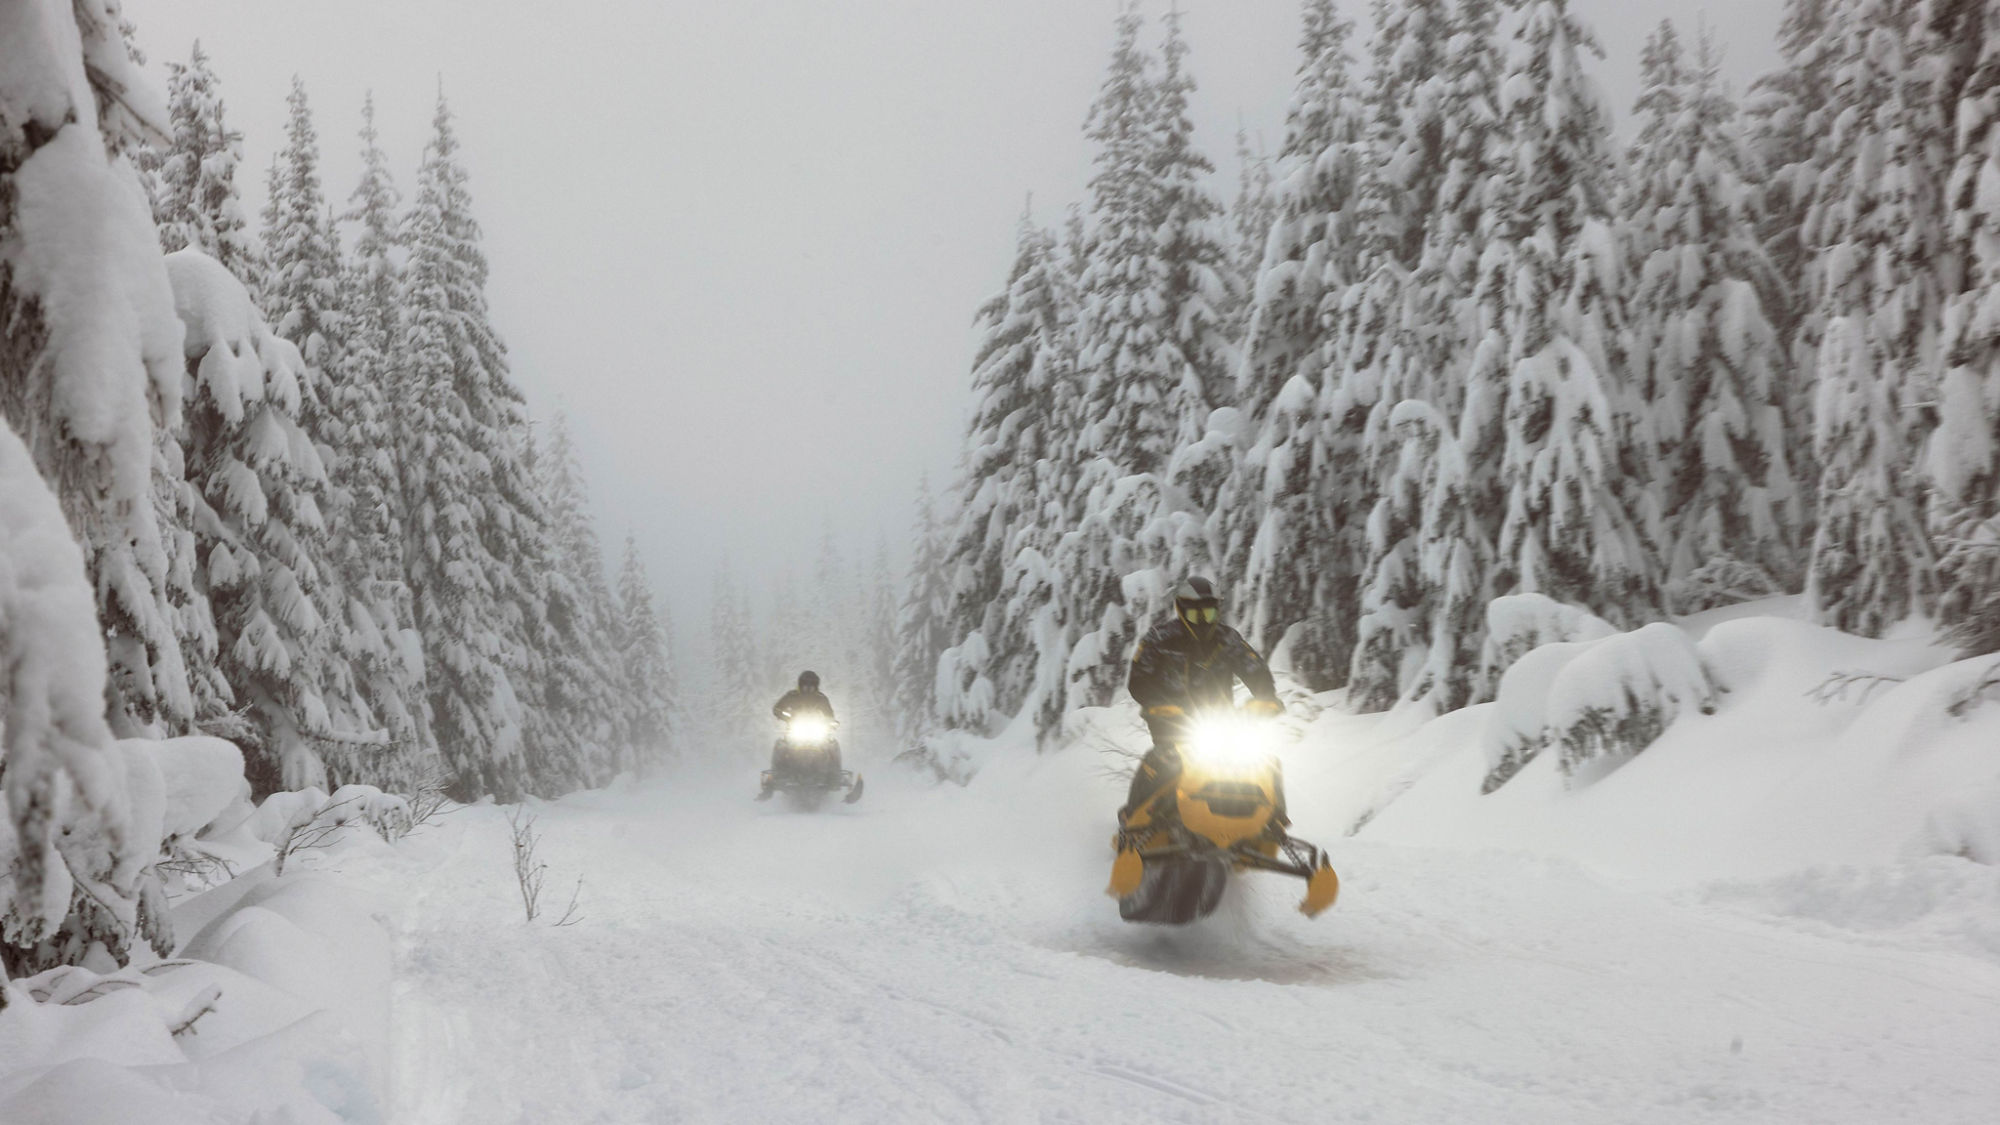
[645, 660]
[1552, 378]
[580, 704]
[199, 205]
[1021, 363]
[923, 625]
[471, 519]
[1708, 360]
[1963, 461]
[1197, 287]
[1135, 391]
[257, 482]
[1877, 226]
[88, 368]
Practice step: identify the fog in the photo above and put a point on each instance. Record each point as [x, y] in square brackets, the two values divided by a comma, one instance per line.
[741, 242]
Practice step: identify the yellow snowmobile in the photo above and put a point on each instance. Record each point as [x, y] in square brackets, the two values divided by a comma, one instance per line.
[1176, 851]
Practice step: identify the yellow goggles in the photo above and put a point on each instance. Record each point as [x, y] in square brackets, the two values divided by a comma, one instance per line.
[1200, 615]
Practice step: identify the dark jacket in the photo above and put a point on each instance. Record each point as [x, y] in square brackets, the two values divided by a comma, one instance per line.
[1172, 668]
[796, 702]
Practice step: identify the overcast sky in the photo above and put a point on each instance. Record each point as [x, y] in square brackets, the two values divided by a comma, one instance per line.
[740, 242]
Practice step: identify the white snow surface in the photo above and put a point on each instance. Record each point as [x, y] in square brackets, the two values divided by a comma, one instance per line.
[1775, 913]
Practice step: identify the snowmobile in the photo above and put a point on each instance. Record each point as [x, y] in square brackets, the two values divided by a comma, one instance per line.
[806, 763]
[1177, 850]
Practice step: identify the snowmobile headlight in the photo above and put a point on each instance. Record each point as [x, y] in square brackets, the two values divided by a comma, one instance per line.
[1230, 744]
[807, 730]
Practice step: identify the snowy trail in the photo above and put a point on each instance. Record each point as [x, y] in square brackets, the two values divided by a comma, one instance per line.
[947, 956]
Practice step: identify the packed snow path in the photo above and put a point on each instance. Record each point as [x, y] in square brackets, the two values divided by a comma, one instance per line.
[948, 956]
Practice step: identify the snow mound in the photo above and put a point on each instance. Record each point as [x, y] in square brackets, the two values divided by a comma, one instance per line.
[1770, 745]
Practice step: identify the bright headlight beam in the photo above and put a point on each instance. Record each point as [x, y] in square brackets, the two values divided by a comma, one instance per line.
[1229, 743]
[807, 729]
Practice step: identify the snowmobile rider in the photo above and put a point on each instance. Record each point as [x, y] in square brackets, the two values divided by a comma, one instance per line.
[1183, 667]
[806, 699]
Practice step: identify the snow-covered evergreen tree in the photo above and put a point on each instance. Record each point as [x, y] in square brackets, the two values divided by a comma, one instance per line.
[736, 703]
[89, 356]
[923, 625]
[651, 703]
[1291, 527]
[1250, 217]
[88, 367]
[1708, 360]
[360, 391]
[1877, 227]
[1963, 465]
[257, 481]
[1018, 373]
[1197, 286]
[305, 300]
[579, 702]
[1551, 389]
[1788, 113]
[471, 519]
[199, 205]
[1136, 389]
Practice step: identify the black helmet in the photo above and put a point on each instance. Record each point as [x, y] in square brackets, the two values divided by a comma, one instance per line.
[808, 681]
[1198, 605]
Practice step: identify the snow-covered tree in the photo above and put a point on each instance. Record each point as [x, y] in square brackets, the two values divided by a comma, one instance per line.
[1877, 228]
[89, 364]
[199, 205]
[651, 702]
[736, 703]
[305, 299]
[359, 392]
[89, 347]
[1788, 112]
[1251, 214]
[923, 625]
[257, 481]
[1963, 466]
[1708, 360]
[579, 705]
[1019, 370]
[471, 519]
[1424, 596]
[1198, 288]
[1551, 390]
[1289, 529]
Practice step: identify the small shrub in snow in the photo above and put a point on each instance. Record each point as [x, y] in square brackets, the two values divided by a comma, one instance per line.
[1630, 689]
[1599, 702]
[1850, 687]
[306, 819]
[530, 871]
[1520, 623]
[1985, 690]
[1720, 582]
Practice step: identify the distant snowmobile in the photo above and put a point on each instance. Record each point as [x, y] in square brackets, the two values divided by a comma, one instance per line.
[805, 763]
[1220, 814]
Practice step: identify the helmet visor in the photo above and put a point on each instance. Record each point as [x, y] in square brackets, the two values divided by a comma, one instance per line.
[1203, 613]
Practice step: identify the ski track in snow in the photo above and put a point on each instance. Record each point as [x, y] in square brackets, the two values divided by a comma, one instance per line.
[948, 956]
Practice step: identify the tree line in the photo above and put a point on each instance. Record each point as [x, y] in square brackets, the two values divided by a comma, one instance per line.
[1453, 342]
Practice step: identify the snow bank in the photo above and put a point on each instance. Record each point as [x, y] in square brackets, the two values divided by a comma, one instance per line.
[277, 1009]
[1756, 768]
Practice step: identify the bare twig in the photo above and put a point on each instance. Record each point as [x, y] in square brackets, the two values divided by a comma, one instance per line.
[1987, 688]
[202, 1005]
[311, 835]
[429, 800]
[570, 917]
[528, 871]
[1837, 687]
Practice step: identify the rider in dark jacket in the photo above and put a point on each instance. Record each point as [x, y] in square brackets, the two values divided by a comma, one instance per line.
[1183, 667]
[806, 698]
